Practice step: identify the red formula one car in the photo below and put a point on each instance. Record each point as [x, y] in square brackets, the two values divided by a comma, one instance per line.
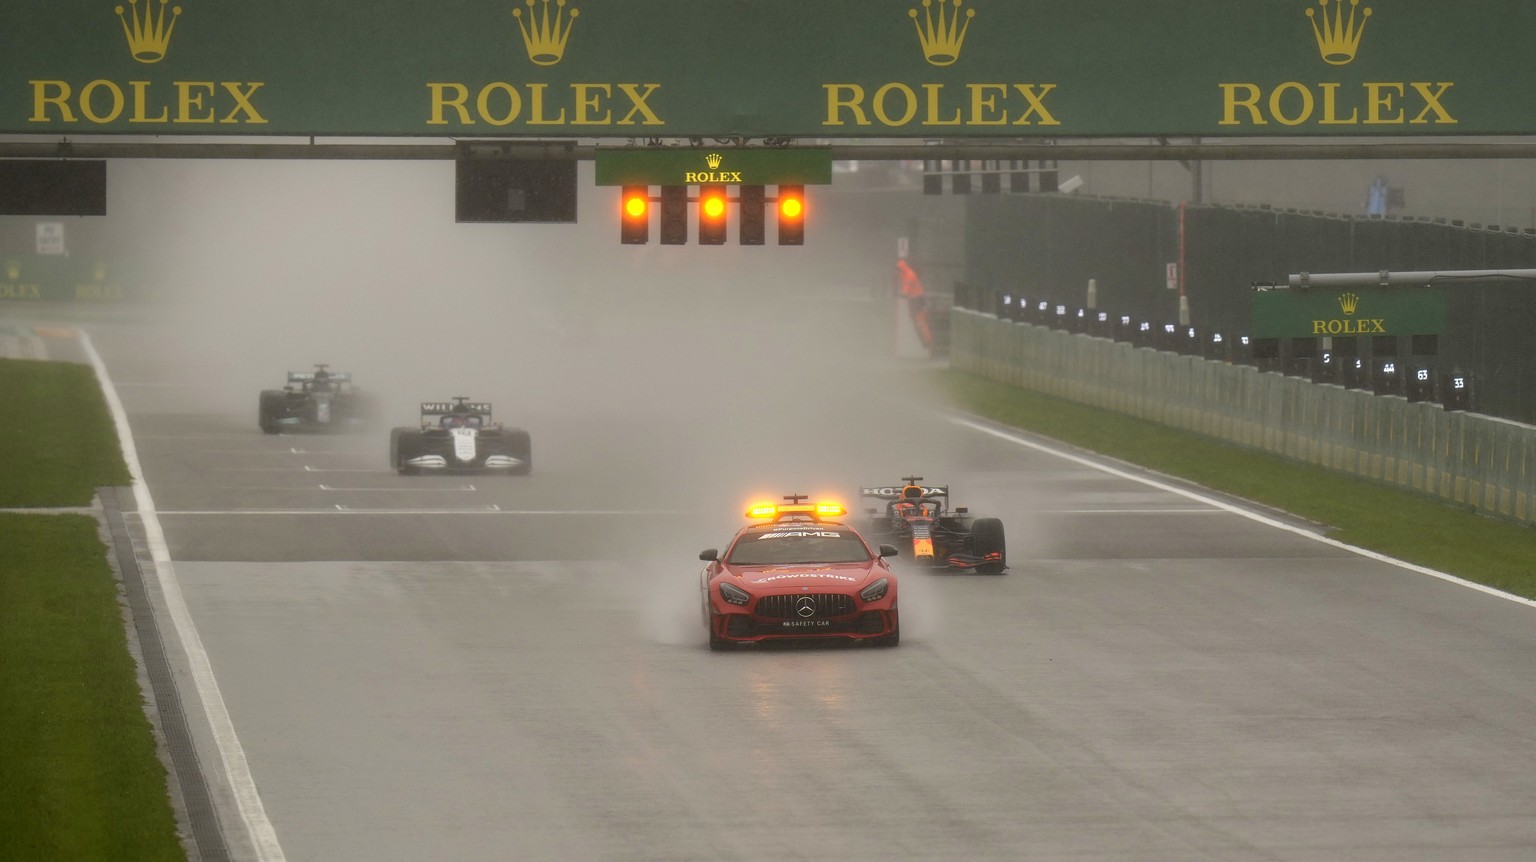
[919, 516]
[799, 573]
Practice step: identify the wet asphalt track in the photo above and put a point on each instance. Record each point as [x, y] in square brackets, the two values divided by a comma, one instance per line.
[481, 668]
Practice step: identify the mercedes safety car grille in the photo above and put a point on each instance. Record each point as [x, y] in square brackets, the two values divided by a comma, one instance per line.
[805, 606]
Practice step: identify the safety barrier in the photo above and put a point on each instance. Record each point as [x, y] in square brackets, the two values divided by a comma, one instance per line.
[1482, 462]
[1047, 248]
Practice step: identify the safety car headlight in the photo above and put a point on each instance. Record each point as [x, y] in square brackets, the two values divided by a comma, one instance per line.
[875, 591]
[734, 594]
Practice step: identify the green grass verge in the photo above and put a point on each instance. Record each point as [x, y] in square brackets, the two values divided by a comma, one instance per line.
[79, 777]
[57, 443]
[1401, 524]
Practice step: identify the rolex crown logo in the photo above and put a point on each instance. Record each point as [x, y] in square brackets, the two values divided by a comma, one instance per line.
[941, 39]
[149, 35]
[545, 32]
[1349, 301]
[713, 160]
[1338, 39]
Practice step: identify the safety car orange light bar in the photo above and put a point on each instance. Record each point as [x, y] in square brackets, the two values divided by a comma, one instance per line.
[774, 510]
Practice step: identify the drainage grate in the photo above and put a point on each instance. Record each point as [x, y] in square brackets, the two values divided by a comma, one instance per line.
[186, 771]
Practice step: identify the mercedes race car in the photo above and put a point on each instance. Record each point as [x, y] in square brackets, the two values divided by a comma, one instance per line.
[919, 517]
[798, 572]
[319, 400]
[460, 437]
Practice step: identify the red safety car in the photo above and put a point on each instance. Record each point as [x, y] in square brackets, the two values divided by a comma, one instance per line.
[798, 572]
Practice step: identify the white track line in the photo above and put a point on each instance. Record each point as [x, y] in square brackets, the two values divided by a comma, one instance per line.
[307, 469]
[202, 437]
[1236, 510]
[465, 488]
[145, 384]
[491, 509]
[1200, 511]
[262, 835]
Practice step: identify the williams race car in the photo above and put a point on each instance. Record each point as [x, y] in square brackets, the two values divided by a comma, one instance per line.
[798, 573]
[319, 400]
[460, 437]
[919, 517]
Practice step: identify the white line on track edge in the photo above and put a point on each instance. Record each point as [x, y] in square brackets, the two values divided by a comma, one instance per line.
[1236, 510]
[488, 509]
[263, 836]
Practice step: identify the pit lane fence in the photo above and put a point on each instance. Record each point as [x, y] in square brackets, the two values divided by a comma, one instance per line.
[1482, 462]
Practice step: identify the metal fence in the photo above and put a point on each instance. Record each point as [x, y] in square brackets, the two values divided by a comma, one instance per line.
[1046, 248]
[1478, 461]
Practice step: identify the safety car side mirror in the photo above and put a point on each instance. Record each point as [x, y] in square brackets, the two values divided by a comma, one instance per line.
[888, 550]
[709, 554]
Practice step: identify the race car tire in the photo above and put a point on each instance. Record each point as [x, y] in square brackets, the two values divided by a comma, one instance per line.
[404, 443]
[987, 538]
[270, 411]
[520, 446]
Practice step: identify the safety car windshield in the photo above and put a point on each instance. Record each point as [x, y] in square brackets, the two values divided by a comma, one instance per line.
[790, 544]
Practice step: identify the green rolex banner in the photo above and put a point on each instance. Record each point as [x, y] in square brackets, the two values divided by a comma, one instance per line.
[50, 278]
[621, 69]
[722, 165]
[1324, 312]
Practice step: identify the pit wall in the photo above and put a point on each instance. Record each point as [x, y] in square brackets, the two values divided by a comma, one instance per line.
[1484, 463]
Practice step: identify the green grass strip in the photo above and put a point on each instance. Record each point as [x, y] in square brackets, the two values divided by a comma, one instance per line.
[79, 776]
[57, 441]
[1400, 524]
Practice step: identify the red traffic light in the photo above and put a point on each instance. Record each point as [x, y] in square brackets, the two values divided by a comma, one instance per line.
[712, 215]
[635, 227]
[791, 215]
